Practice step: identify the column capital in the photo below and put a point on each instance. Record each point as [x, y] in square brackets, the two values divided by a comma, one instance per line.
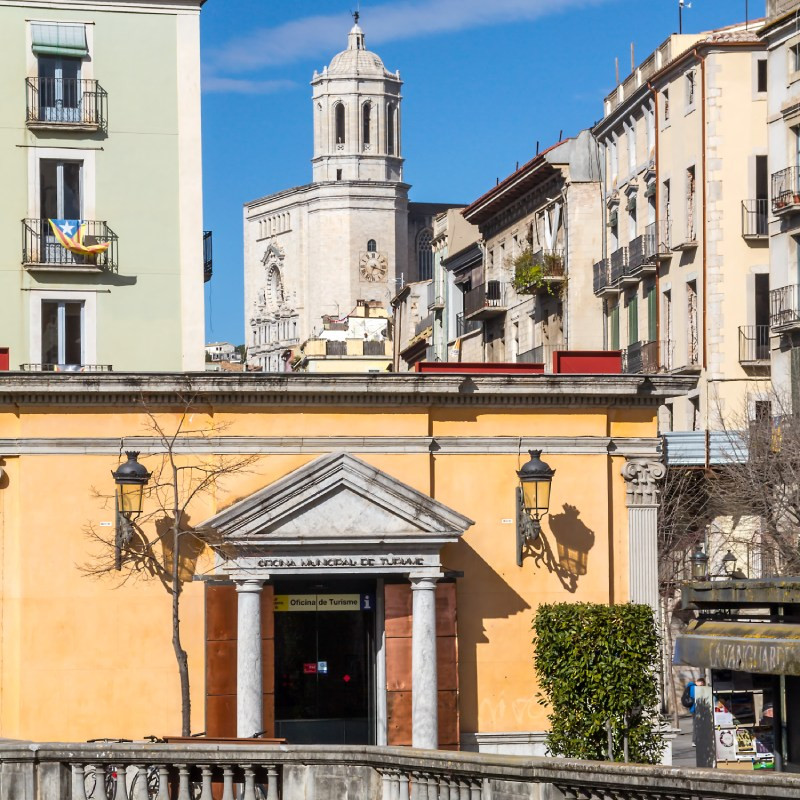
[424, 580]
[249, 584]
[642, 477]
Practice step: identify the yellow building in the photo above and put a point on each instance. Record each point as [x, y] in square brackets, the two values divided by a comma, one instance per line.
[374, 527]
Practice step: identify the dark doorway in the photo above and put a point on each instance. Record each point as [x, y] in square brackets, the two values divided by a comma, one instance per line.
[325, 662]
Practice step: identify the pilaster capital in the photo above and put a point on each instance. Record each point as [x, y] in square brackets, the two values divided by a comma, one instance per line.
[249, 585]
[641, 481]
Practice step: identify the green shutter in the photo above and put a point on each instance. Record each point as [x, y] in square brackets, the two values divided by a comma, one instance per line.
[652, 331]
[633, 319]
[52, 39]
[615, 326]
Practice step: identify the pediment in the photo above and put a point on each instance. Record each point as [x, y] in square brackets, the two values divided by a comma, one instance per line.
[335, 499]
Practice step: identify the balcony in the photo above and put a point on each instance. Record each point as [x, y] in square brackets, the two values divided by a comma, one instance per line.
[465, 326]
[42, 251]
[208, 261]
[66, 104]
[754, 345]
[689, 241]
[436, 294]
[647, 358]
[785, 308]
[618, 262]
[601, 280]
[485, 301]
[66, 367]
[754, 219]
[785, 191]
[657, 240]
[335, 348]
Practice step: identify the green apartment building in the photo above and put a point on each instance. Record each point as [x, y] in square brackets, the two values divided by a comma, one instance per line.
[102, 249]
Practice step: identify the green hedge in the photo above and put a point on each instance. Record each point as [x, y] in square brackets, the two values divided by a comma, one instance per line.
[597, 663]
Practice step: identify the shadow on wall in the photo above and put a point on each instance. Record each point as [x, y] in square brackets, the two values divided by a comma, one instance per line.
[573, 540]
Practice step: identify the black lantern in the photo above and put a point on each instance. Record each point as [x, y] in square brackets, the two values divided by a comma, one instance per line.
[729, 564]
[699, 564]
[533, 495]
[131, 478]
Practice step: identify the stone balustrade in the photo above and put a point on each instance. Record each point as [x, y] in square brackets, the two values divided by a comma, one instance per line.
[143, 771]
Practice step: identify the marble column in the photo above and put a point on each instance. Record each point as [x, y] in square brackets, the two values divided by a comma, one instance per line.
[642, 478]
[249, 671]
[424, 683]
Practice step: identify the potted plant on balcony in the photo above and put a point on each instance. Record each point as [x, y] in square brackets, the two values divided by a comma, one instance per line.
[528, 274]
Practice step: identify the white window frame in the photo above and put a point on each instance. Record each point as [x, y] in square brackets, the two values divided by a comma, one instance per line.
[88, 322]
[631, 134]
[88, 178]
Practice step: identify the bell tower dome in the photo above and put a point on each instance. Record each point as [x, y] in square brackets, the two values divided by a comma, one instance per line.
[357, 116]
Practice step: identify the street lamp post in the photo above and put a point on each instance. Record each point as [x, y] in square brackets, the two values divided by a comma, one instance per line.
[533, 500]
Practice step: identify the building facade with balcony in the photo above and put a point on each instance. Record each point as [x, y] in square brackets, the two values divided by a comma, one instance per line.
[351, 234]
[539, 231]
[782, 39]
[684, 272]
[101, 210]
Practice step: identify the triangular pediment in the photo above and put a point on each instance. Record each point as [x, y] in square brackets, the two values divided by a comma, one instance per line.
[338, 499]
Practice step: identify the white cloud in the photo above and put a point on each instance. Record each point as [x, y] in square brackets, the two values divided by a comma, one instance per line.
[406, 19]
[214, 83]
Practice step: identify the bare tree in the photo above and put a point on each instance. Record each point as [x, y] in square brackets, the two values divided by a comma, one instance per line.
[181, 473]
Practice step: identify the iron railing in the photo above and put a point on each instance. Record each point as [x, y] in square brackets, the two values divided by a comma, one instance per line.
[552, 263]
[436, 292]
[335, 348]
[784, 306]
[41, 248]
[374, 348]
[785, 190]
[600, 275]
[619, 260]
[754, 218]
[636, 257]
[465, 326]
[657, 239]
[647, 358]
[62, 102]
[753, 343]
[208, 261]
[66, 367]
[491, 294]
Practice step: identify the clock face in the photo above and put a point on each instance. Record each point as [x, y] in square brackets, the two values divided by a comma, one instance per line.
[374, 266]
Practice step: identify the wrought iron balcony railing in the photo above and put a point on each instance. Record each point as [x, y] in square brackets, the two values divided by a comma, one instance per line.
[552, 262]
[66, 367]
[785, 190]
[647, 358]
[754, 219]
[208, 260]
[601, 282]
[465, 326]
[41, 249]
[485, 300]
[785, 307]
[436, 293]
[619, 260]
[657, 240]
[65, 103]
[753, 343]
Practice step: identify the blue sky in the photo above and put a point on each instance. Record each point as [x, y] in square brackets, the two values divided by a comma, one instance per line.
[484, 80]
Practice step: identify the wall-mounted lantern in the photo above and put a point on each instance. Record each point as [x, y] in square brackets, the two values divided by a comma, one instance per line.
[533, 500]
[130, 478]
[699, 561]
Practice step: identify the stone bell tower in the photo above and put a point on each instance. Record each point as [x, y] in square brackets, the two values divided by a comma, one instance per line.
[357, 131]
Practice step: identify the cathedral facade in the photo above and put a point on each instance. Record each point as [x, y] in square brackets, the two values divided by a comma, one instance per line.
[351, 234]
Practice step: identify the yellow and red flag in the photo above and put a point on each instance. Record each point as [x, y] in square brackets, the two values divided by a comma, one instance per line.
[70, 234]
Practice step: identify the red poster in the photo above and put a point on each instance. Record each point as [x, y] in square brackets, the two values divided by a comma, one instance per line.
[310, 669]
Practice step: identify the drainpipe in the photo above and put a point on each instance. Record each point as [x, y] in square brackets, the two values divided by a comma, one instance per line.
[654, 93]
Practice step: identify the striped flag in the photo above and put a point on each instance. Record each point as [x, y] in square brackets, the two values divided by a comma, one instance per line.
[70, 233]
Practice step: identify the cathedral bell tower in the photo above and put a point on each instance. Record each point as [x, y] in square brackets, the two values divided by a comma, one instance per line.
[357, 117]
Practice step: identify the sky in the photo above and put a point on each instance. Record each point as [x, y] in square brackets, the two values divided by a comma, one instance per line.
[484, 81]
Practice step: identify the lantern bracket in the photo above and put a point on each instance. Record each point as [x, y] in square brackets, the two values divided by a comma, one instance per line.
[528, 528]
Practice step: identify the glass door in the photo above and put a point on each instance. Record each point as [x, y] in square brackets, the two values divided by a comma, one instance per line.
[325, 663]
[60, 94]
[62, 334]
[59, 199]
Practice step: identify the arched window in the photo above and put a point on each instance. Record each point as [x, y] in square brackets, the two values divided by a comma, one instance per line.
[391, 116]
[339, 113]
[372, 246]
[366, 118]
[425, 255]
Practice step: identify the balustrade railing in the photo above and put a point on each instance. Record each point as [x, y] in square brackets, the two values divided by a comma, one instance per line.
[647, 358]
[785, 190]
[784, 306]
[600, 276]
[753, 343]
[754, 218]
[41, 248]
[64, 102]
[657, 239]
[619, 260]
[489, 295]
[143, 771]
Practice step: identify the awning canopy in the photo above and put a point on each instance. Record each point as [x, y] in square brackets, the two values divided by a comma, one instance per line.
[762, 647]
[54, 39]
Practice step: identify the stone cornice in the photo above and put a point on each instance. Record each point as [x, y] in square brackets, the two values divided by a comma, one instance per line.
[264, 390]
[91, 6]
[632, 447]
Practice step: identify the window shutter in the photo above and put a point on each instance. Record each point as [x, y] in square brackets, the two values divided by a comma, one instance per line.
[52, 39]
